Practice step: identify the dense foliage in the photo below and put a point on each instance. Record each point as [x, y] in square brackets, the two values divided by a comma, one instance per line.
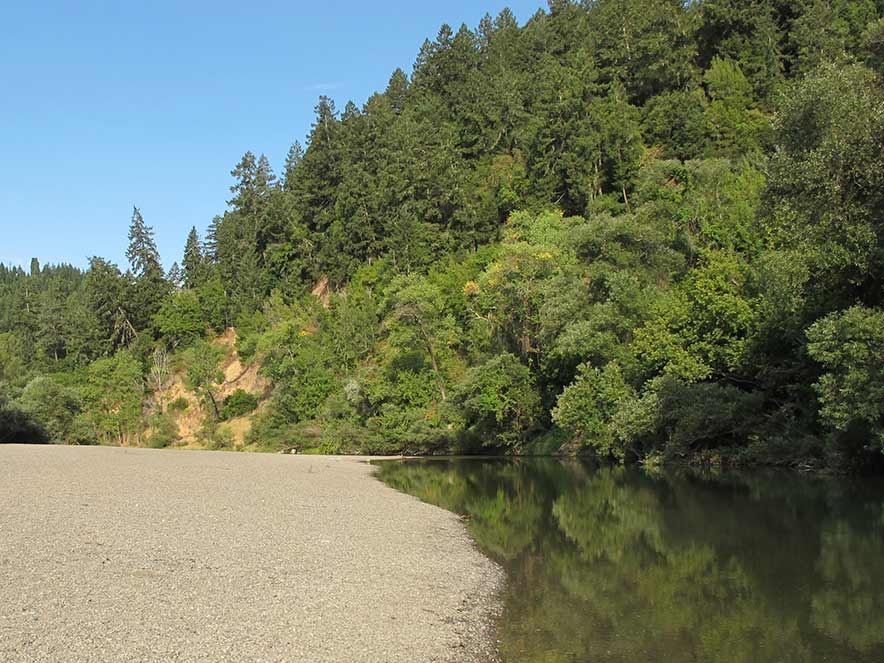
[652, 229]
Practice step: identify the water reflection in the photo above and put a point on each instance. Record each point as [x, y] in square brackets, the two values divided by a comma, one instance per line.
[611, 564]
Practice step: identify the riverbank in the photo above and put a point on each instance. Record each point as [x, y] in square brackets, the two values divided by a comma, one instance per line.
[110, 554]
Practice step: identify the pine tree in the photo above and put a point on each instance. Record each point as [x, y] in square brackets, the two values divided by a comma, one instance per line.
[142, 253]
[315, 191]
[193, 260]
[292, 161]
[175, 276]
[210, 246]
[149, 283]
[397, 91]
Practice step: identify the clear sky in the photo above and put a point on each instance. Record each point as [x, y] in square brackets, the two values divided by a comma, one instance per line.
[106, 105]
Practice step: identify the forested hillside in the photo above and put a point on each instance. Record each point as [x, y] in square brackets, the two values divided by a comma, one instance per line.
[649, 228]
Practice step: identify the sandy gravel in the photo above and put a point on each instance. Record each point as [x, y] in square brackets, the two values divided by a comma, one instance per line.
[139, 555]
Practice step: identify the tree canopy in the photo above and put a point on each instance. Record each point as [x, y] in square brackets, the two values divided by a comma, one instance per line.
[643, 228]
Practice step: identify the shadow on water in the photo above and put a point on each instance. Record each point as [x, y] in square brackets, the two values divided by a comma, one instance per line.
[613, 564]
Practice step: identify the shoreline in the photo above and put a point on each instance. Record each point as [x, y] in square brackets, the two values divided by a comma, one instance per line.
[122, 554]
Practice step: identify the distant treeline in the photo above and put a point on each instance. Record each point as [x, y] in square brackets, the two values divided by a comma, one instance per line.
[650, 228]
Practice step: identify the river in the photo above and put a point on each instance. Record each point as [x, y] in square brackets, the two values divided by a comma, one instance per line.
[614, 564]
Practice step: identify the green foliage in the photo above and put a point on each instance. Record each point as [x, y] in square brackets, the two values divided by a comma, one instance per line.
[15, 425]
[164, 432]
[215, 436]
[112, 391]
[498, 402]
[239, 403]
[826, 180]
[56, 408]
[202, 373]
[849, 345]
[676, 122]
[180, 318]
[148, 284]
[703, 328]
[694, 416]
[193, 263]
[735, 124]
[585, 407]
[612, 224]
[12, 358]
[180, 404]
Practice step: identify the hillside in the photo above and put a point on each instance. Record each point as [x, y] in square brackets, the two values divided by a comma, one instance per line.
[192, 412]
[651, 231]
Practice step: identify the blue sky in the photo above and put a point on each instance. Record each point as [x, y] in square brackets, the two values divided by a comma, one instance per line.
[107, 105]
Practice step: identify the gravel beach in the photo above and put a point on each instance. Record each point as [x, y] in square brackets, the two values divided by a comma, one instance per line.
[121, 555]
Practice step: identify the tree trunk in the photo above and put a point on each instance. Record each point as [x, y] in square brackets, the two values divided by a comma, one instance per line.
[214, 403]
[439, 381]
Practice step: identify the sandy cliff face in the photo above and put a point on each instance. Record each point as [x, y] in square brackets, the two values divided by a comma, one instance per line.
[236, 376]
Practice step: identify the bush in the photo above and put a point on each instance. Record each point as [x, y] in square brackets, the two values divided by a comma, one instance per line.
[346, 438]
[214, 436]
[270, 432]
[706, 415]
[165, 432]
[497, 401]
[849, 345]
[17, 426]
[586, 406]
[240, 402]
[180, 404]
[52, 406]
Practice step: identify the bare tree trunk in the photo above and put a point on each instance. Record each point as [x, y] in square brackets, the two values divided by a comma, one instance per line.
[439, 381]
[214, 403]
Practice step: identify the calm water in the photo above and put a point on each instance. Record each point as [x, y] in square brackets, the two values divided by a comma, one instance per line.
[607, 564]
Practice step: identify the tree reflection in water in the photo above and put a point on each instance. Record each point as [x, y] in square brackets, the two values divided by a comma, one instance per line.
[612, 564]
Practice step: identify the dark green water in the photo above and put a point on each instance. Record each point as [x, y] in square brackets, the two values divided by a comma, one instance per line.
[607, 564]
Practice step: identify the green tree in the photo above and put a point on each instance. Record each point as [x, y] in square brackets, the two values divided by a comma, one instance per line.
[107, 296]
[112, 391]
[417, 320]
[825, 181]
[586, 406]
[149, 286]
[734, 121]
[849, 345]
[193, 262]
[498, 402]
[203, 375]
[648, 46]
[180, 318]
[54, 406]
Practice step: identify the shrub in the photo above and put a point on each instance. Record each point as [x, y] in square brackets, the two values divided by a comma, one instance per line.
[165, 432]
[849, 345]
[180, 404]
[586, 406]
[52, 406]
[214, 436]
[270, 432]
[497, 400]
[240, 402]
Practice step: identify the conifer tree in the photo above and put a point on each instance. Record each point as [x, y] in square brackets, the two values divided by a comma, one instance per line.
[175, 277]
[193, 260]
[149, 283]
[142, 252]
[292, 161]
